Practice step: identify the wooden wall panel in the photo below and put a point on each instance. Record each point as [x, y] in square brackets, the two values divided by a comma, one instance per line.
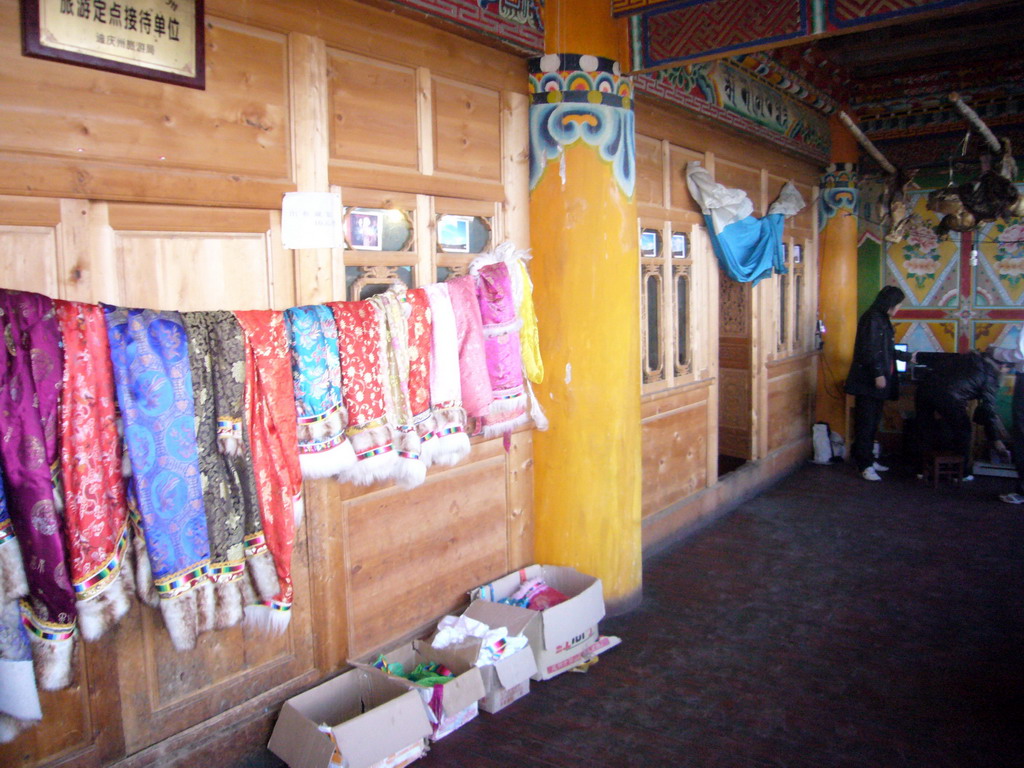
[467, 135]
[28, 258]
[373, 111]
[131, 192]
[413, 555]
[650, 172]
[164, 692]
[681, 198]
[789, 403]
[77, 132]
[674, 453]
[734, 413]
[189, 272]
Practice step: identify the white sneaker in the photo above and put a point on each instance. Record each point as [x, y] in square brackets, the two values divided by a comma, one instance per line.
[879, 467]
[870, 474]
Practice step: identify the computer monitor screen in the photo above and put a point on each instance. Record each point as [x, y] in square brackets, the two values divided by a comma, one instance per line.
[901, 365]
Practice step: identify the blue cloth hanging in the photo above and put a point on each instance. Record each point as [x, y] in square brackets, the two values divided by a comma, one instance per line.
[749, 249]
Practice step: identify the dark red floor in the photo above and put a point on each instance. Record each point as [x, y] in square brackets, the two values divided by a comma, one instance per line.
[828, 623]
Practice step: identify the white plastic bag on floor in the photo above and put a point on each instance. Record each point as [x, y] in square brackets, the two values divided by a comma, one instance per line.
[828, 446]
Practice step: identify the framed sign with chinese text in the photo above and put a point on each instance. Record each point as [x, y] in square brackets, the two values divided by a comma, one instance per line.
[155, 39]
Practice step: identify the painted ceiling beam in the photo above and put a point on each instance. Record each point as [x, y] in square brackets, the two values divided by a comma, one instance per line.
[668, 34]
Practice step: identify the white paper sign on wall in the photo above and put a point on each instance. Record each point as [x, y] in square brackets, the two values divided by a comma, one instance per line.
[311, 220]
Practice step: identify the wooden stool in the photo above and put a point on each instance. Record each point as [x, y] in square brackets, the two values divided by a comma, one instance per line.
[943, 466]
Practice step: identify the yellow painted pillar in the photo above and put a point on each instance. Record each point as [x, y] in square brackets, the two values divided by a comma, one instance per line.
[583, 234]
[838, 289]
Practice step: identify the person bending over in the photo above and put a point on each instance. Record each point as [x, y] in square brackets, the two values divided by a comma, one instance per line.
[941, 402]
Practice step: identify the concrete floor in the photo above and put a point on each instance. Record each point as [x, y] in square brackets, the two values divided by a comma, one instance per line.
[829, 622]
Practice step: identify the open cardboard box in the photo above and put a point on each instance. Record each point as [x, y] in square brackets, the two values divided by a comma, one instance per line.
[563, 636]
[507, 679]
[374, 723]
[459, 703]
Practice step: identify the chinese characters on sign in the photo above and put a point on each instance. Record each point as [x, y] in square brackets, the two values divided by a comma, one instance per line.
[155, 39]
[312, 220]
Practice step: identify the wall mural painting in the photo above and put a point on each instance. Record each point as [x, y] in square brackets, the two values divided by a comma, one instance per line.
[734, 94]
[965, 291]
[581, 98]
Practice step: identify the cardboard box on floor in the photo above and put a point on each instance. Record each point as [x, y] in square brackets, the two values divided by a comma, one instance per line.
[563, 636]
[459, 704]
[507, 679]
[374, 722]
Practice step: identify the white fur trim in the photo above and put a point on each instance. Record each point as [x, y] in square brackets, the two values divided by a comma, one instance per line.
[103, 610]
[10, 727]
[506, 406]
[263, 575]
[371, 470]
[189, 614]
[228, 599]
[12, 573]
[52, 660]
[298, 510]
[410, 473]
[540, 420]
[451, 449]
[493, 429]
[328, 463]
[18, 695]
[144, 586]
[269, 621]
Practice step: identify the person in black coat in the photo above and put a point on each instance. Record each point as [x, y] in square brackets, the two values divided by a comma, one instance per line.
[872, 378]
[941, 400]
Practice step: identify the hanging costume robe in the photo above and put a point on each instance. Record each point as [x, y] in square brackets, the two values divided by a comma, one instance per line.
[473, 378]
[271, 421]
[96, 508]
[30, 377]
[507, 409]
[522, 301]
[217, 359]
[19, 699]
[408, 470]
[419, 321]
[445, 390]
[359, 347]
[149, 352]
[748, 249]
[324, 450]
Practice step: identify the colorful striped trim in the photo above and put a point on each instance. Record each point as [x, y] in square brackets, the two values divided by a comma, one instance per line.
[317, 418]
[276, 605]
[453, 430]
[255, 544]
[374, 452]
[6, 531]
[46, 630]
[229, 428]
[322, 445]
[181, 582]
[225, 572]
[102, 577]
[409, 455]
